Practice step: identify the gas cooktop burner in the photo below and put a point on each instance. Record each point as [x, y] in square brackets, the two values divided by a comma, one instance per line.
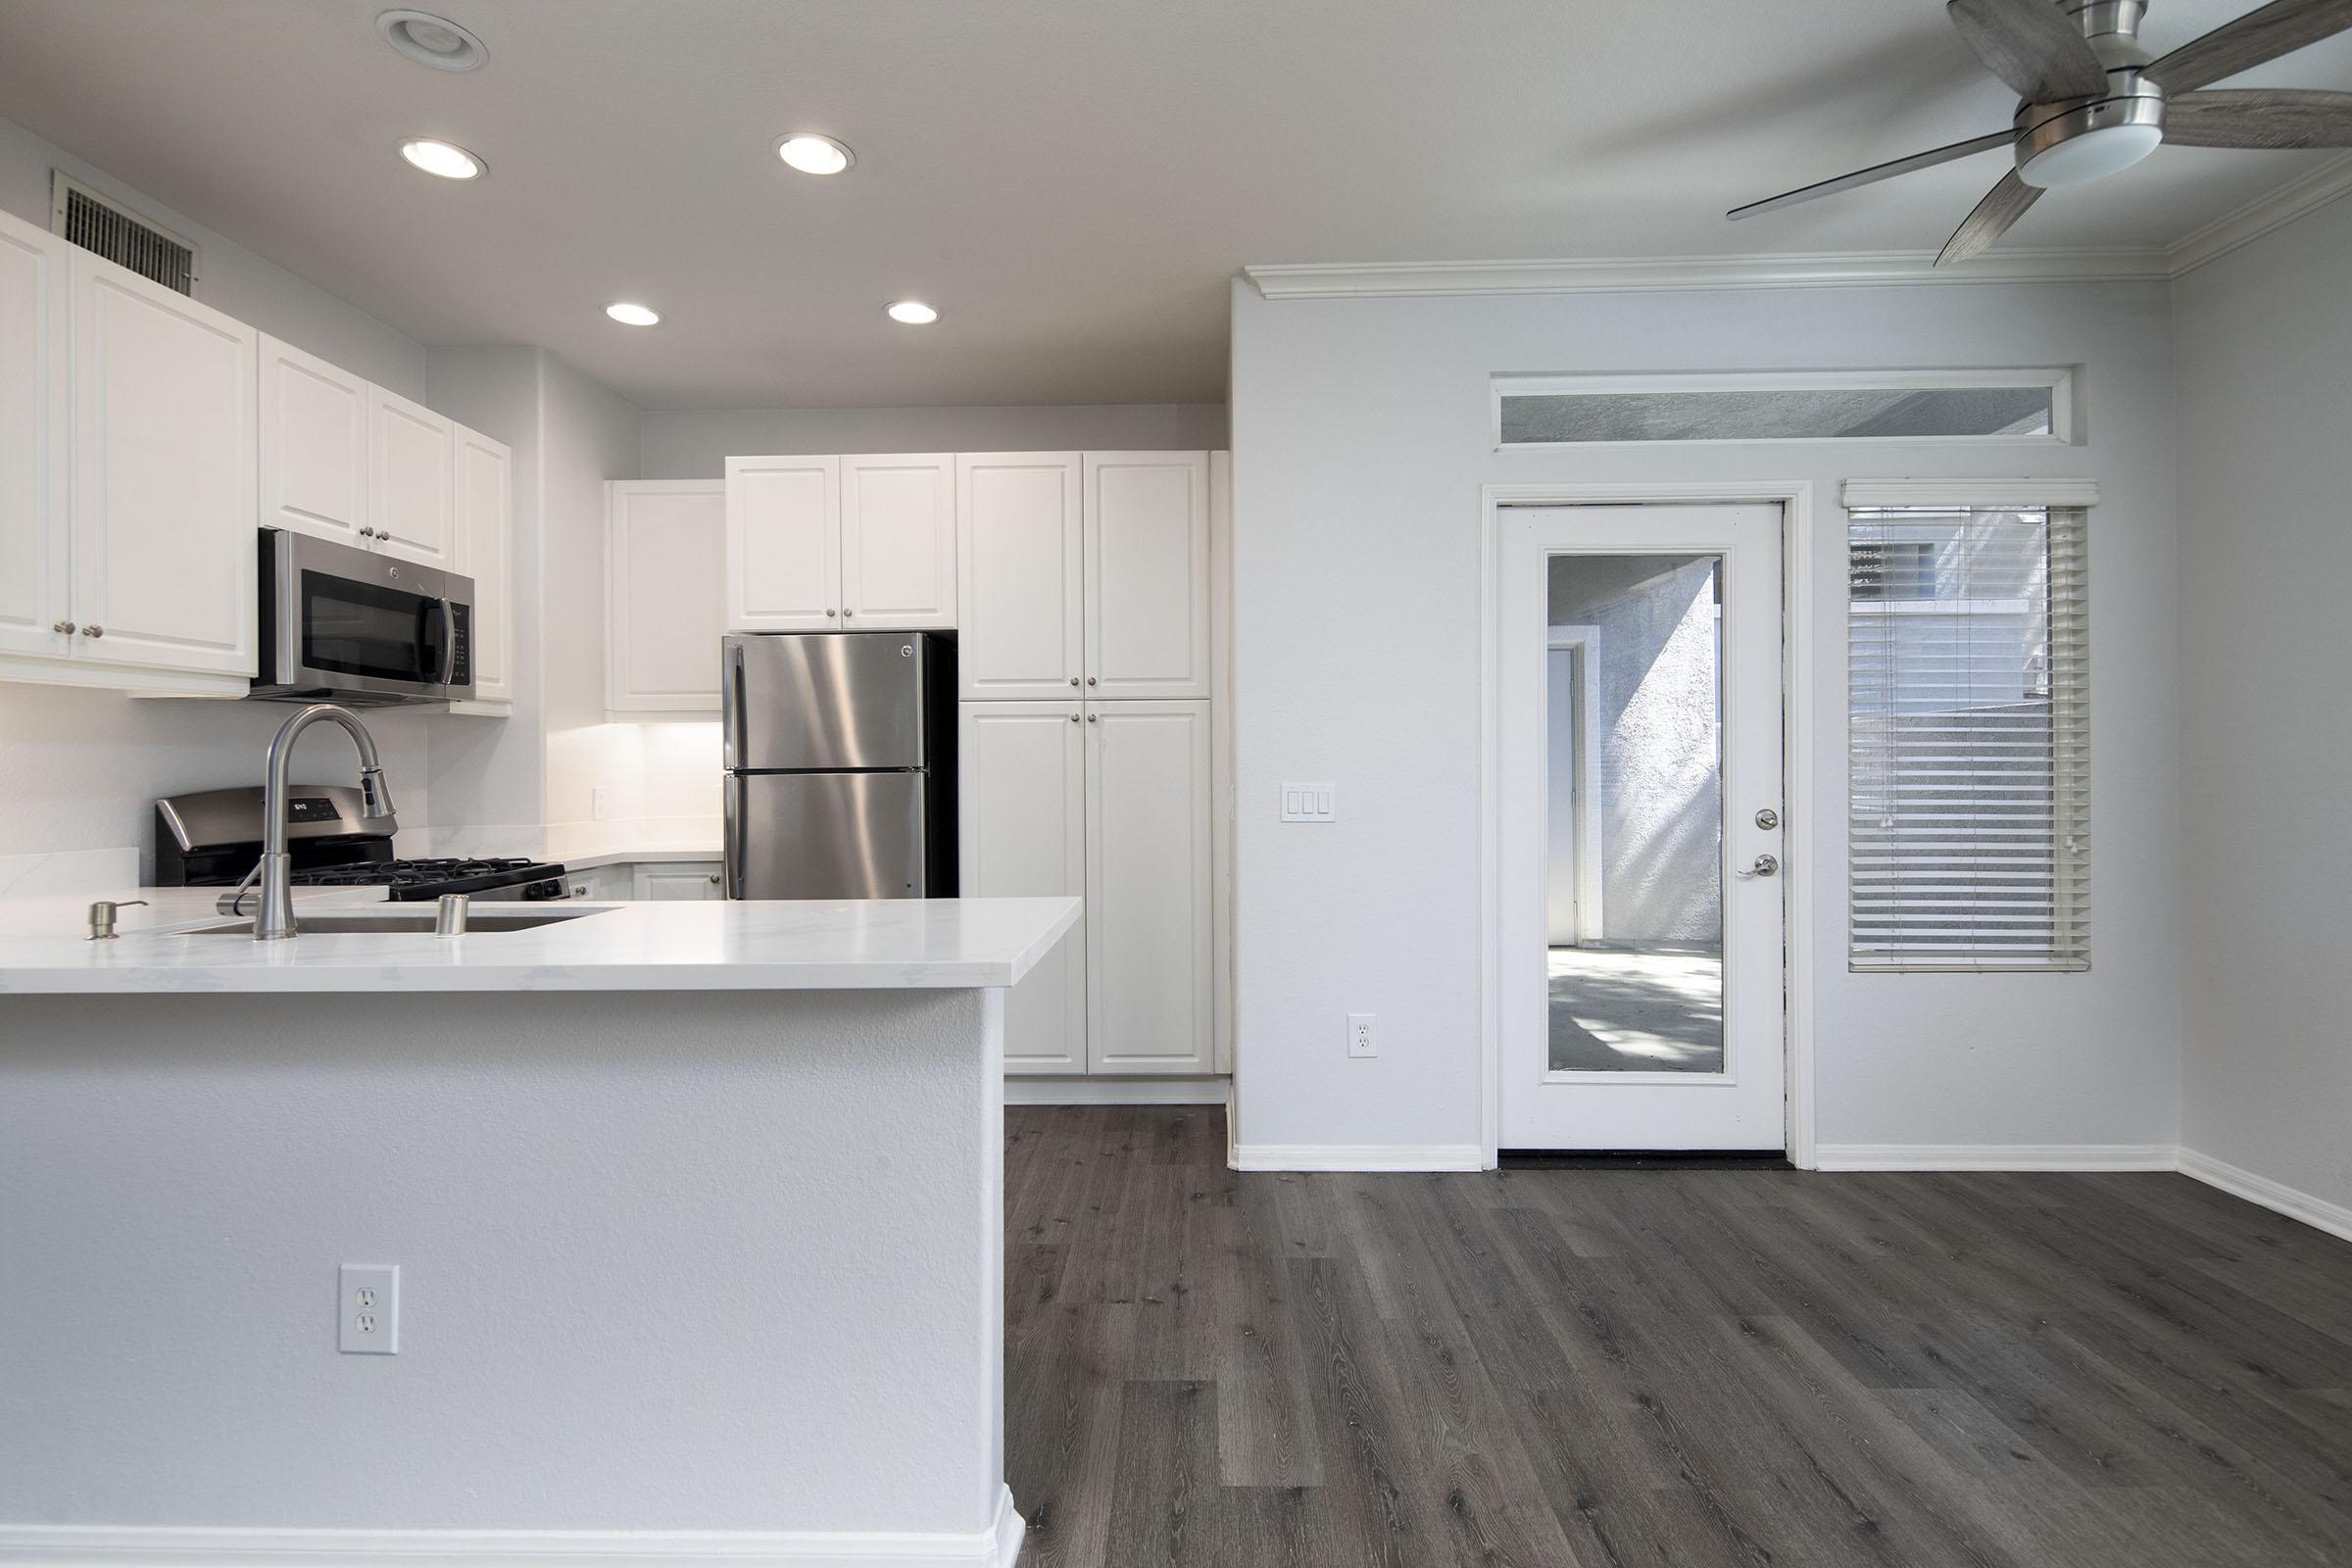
[413, 874]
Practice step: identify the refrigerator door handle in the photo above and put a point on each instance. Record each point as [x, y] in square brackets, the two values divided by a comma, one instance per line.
[731, 700]
[731, 836]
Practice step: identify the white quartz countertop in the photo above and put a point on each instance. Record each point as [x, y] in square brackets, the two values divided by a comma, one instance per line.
[909, 944]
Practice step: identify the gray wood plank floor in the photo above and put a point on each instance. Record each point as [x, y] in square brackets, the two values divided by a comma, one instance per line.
[1658, 1369]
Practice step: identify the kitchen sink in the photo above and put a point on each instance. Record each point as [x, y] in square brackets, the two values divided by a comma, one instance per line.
[403, 920]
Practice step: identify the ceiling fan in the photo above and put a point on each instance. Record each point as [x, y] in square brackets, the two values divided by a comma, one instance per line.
[2094, 101]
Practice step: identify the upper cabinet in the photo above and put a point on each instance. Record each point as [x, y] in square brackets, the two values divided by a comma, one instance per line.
[484, 522]
[34, 383]
[897, 542]
[1147, 575]
[1086, 571]
[411, 493]
[315, 423]
[666, 554]
[1021, 539]
[839, 544]
[164, 488]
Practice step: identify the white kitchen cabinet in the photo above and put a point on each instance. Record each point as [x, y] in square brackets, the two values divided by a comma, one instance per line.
[666, 543]
[314, 427]
[1021, 833]
[165, 481]
[783, 544]
[484, 526]
[412, 489]
[1147, 575]
[1020, 546]
[676, 881]
[897, 542]
[1149, 991]
[35, 381]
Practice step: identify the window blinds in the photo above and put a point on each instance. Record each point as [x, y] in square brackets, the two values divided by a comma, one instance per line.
[1968, 656]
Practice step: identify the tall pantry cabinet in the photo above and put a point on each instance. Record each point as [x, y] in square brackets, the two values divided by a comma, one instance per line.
[1085, 666]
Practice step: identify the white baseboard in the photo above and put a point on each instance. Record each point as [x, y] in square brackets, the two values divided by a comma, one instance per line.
[1047, 1089]
[2318, 1212]
[1996, 1157]
[80, 1546]
[1358, 1156]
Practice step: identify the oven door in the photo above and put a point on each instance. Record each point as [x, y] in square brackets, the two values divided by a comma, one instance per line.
[359, 627]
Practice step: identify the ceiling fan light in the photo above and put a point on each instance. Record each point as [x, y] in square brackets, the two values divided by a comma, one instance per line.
[2090, 155]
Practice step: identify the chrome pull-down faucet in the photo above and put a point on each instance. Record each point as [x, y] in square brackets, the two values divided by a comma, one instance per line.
[275, 916]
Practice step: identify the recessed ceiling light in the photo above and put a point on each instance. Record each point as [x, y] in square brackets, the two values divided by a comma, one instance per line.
[444, 158]
[913, 313]
[813, 154]
[432, 40]
[628, 314]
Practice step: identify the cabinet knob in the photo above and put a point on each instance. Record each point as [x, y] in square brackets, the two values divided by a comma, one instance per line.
[65, 627]
[1090, 680]
[828, 610]
[714, 879]
[846, 613]
[1073, 718]
[366, 533]
[1089, 718]
[93, 631]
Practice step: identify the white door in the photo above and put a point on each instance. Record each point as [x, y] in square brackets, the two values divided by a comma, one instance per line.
[165, 489]
[1020, 540]
[314, 445]
[897, 542]
[1022, 834]
[783, 544]
[1147, 575]
[485, 553]
[1663, 1029]
[35, 389]
[1147, 978]
[665, 581]
[412, 479]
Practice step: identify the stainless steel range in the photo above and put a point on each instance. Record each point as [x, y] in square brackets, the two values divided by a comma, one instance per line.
[213, 839]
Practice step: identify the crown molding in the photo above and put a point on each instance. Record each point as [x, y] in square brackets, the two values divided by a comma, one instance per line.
[2272, 209]
[1669, 275]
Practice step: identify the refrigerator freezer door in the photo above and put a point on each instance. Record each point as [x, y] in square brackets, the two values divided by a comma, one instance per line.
[824, 835]
[816, 700]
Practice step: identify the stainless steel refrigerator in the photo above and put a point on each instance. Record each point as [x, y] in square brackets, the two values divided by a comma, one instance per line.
[839, 765]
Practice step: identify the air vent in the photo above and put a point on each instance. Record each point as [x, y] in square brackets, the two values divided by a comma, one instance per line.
[91, 222]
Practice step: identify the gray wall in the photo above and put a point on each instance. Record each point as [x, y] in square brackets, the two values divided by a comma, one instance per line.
[695, 445]
[2265, 347]
[1361, 435]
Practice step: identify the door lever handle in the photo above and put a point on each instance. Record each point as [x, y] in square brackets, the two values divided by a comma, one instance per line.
[1766, 865]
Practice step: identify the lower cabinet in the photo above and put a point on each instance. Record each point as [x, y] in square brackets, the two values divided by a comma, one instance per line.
[1109, 801]
[675, 880]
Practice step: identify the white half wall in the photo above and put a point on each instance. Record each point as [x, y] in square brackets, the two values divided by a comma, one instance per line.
[1361, 435]
[695, 443]
[2263, 344]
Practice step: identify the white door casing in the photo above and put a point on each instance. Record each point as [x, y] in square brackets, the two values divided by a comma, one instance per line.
[1743, 1105]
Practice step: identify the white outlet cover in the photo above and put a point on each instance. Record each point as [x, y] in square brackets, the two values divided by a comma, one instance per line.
[367, 1309]
[1362, 1039]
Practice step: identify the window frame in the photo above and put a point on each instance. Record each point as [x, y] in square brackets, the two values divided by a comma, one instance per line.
[2059, 379]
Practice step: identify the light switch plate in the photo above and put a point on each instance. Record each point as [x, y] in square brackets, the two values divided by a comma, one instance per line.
[1309, 803]
[367, 1309]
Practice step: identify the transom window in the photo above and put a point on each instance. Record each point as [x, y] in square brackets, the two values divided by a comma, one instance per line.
[1909, 405]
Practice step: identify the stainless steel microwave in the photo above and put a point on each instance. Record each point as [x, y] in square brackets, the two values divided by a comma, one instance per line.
[348, 625]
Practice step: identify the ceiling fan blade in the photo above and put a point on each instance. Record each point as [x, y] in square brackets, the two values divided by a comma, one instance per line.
[2030, 45]
[2001, 207]
[2281, 27]
[2247, 116]
[1878, 171]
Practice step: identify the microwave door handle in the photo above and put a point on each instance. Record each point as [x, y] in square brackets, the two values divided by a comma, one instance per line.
[448, 641]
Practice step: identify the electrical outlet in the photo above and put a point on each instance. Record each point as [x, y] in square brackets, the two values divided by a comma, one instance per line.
[1309, 803]
[367, 1309]
[1360, 1040]
[600, 802]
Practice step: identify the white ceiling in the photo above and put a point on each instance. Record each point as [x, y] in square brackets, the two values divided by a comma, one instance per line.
[1072, 182]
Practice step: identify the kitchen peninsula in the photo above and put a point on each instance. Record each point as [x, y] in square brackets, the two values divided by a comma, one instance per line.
[697, 1210]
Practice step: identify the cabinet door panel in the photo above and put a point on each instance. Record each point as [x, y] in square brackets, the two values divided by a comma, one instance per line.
[783, 544]
[1020, 536]
[689, 881]
[411, 484]
[314, 445]
[1147, 575]
[35, 389]
[1022, 834]
[897, 542]
[165, 476]
[485, 553]
[665, 588]
[1147, 975]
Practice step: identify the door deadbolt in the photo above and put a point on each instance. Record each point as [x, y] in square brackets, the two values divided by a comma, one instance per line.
[1768, 818]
